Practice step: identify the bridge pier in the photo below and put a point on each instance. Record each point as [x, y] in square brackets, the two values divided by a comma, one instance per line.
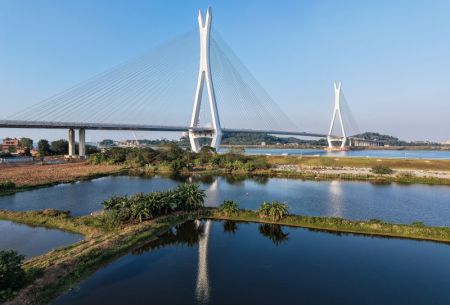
[82, 143]
[71, 152]
[194, 137]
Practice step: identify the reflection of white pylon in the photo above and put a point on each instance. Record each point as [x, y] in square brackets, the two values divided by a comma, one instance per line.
[204, 76]
[202, 288]
[337, 111]
[212, 193]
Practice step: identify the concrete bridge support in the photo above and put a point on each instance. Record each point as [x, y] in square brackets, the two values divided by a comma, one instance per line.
[71, 152]
[82, 143]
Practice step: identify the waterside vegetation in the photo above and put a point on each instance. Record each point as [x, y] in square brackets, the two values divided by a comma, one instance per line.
[128, 222]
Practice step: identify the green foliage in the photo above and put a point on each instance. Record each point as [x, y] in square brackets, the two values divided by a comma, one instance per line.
[190, 197]
[25, 143]
[175, 159]
[419, 224]
[44, 148]
[381, 170]
[59, 147]
[177, 165]
[7, 185]
[140, 207]
[12, 276]
[274, 210]
[229, 207]
[231, 138]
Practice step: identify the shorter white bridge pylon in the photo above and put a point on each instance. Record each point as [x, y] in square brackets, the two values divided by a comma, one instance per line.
[336, 112]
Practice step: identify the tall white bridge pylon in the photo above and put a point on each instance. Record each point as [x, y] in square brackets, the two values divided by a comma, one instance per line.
[204, 78]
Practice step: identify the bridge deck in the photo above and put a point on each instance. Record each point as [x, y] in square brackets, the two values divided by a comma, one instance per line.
[138, 127]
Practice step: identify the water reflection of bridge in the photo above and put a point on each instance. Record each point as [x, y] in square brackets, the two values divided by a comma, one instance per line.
[202, 289]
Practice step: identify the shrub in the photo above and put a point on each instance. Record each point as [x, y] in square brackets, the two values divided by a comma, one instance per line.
[381, 170]
[229, 207]
[7, 185]
[275, 210]
[140, 206]
[12, 276]
[55, 213]
[177, 165]
[419, 224]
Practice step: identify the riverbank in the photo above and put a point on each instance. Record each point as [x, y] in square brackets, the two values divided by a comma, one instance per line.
[417, 231]
[60, 270]
[435, 172]
[31, 176]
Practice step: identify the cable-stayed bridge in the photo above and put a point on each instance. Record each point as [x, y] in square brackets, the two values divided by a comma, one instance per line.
[154, 92]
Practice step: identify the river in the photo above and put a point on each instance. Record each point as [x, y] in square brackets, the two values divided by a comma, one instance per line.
[375, 153]
[247, 263]
[347, 199]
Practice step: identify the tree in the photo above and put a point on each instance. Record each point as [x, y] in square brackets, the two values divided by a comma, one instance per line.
[12, 276]
[43, 147]
[274, 210]
[59, 147]
[25, 143]
[229, 207]
[191, 196]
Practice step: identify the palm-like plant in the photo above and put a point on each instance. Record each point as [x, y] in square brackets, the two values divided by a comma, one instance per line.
[275, 210]
[229, 207]
[191, 196]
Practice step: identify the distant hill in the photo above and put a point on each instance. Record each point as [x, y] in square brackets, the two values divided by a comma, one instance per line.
[392, 141]
[257, 139]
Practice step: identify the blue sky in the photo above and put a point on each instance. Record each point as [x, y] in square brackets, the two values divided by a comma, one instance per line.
[393, 57]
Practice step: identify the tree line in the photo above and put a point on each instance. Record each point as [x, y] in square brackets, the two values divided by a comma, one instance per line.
[177, 159]
[44, 147]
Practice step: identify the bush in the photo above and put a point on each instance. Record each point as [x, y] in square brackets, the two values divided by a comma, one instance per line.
[419, 224]
[7, 185]
[275, 210]
[55, 213]
[12, 276]
[229, 207]
[140, 207]
[381, 170]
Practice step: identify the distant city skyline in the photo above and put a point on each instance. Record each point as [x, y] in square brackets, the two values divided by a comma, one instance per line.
[392, 57]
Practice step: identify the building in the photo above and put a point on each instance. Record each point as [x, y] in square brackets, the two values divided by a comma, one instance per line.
[10, 144]
[446, 142]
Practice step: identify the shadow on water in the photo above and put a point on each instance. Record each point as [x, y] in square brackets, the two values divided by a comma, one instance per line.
[230, 227]
[187, 234]
[273, 232]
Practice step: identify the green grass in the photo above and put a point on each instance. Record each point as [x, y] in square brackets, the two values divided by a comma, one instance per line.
[373, 227]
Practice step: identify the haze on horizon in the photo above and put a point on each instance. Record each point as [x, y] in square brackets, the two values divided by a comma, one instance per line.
[392, 57]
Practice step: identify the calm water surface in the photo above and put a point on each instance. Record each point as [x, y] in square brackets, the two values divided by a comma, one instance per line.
[230, 263]
[33, 241]
[410, 154]
[352, 200]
